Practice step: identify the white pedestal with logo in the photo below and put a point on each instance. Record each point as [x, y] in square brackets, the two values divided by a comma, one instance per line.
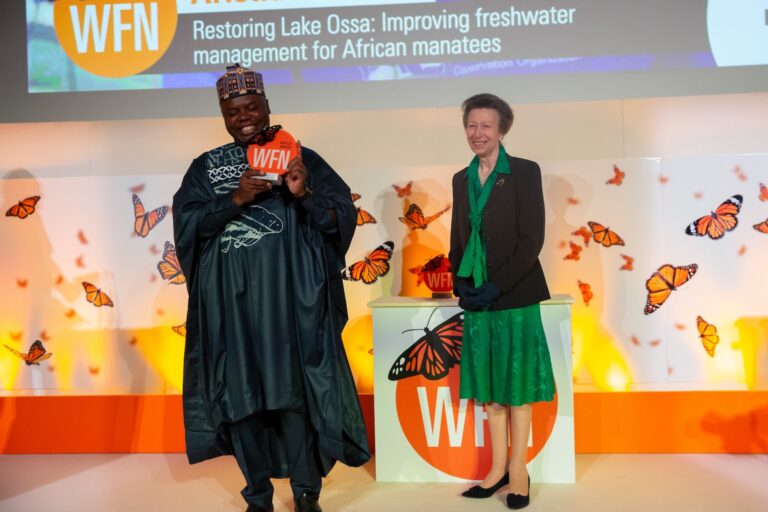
[424, 433]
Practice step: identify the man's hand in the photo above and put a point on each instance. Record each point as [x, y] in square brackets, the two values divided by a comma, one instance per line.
[296, 176]
[250, 186]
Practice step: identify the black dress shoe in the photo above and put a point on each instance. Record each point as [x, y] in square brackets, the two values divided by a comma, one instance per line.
[256, 508]
[481, 492]
[307, 503]
[516, 501]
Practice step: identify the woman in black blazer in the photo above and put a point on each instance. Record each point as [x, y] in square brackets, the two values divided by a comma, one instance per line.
[497, 232]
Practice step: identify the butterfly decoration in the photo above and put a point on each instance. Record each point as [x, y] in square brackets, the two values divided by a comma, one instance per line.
[742, 250]
[763, 193]
[355, 197]
[664, 281]
[169, 267]
[618, 177]
[604, 236]
[80, 261]
[654, 343]
[181, 330]
[586, 292]
[436, 263]
[81, 237]
[663, 179]
[415, 219]
[403, 191]
[697, 195]
[265, 135]
[44, 336]
[575, 252]
[708, 335]
[137, 189]
[572, 200]
[133, 341]
[144, 221]
[584, 233]
[154, 250]
[59, 280]
[23, 208]
[762, 227]
[15, 336]
[433, 354]
[22, 283]
[739, 173]
[34, 355]
[363, 217]
[93, 370]
[628, 262]
[160, 311]
[562, 244]
[635, 340]
[718, 222]
[95, 296]
[373, 266]
[70, 313]
[680, 327]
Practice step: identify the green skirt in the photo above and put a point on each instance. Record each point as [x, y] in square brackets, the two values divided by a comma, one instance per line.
[505, 358]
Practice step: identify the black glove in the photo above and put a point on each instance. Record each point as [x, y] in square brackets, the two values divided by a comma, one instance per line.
[463, 289]
[482, 298]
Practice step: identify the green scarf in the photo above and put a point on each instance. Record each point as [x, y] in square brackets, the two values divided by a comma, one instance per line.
[473, 263]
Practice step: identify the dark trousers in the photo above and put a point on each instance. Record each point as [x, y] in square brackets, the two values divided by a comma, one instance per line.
[276, 444]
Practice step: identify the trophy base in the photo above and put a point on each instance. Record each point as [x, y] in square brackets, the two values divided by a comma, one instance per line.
[442, 295]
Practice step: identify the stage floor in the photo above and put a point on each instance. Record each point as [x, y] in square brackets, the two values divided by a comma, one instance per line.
[165, 482]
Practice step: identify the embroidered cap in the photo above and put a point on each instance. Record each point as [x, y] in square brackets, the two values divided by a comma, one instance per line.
[238, 81]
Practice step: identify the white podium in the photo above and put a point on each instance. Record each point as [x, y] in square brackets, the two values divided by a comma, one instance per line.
[424, 432]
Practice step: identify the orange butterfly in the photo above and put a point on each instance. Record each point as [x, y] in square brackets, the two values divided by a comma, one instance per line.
[153, 249]
[563, 244]
[81, 237]
[575, 252]
[763, 193]
[433, 354]
[23, 208]
[363, 217]
[708, 335]
[375, 265]
[35, 354]
[737, 170]
[635, 340]
[181, 330]
[145, 221]
[137, 189]
[79, 262]
[697, 195]
[15, 336]
[59, 280]
[95, 296]
[22, 283]
[680, 327]
[434, 263]
[586, 292]
[664, 281]
[718, 222]
[44, 336]
[415, 219]
[134, 340]
[604, 236]
[70, 313]
[628, 261]
[584, 233]
[654, 343]
[355, 197]
[93, 370]
[742, 250]
[169, 267]
[160, 311]
[663, 179]
[572, 200]
[762, 227]
[152, 278]
[618, 177]
[403, 191]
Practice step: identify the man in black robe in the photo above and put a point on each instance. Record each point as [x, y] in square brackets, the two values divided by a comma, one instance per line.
[266, 377]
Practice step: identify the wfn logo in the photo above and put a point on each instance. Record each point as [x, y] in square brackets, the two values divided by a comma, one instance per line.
[115, 38]
[452, 434]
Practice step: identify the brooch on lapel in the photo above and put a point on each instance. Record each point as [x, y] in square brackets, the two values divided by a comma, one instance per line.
[500, 181]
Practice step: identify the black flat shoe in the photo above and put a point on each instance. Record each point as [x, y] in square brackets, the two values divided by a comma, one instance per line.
[307, 503]
[516, 501]
[256, 508]
[481, 492]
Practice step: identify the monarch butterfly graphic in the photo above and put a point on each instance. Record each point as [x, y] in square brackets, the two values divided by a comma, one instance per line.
[708, 335]
[265, 135]
[433, 354]
[575, 252]
[23, 208]
[355, 197]
[181, 330]
[34, 355]
[762, 227]
[628, 262]
[415, 219]
[763, 193]
[635, 340]
[586, 292]
[70, 313]
[618, 177]
[22, 283]
[363, 217]
[81, 237]
[718, 222]
[584, 233]
[94, 370]
[80, 261]
[432, 265]
[604, 236]
[95, 296]
[169, 266]
[403, 191]
[145, 221]
[664, 281]
[373, 266]
[44, 336]
[16, 336]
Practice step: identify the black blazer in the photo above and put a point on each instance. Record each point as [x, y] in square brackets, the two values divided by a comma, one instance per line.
[513, 231]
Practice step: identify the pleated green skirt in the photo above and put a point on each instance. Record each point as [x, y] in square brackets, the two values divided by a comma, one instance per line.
[505, 358]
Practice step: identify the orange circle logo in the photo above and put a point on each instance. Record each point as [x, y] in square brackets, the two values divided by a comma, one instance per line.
[452, 435]
[273, 157]
[114, 38]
